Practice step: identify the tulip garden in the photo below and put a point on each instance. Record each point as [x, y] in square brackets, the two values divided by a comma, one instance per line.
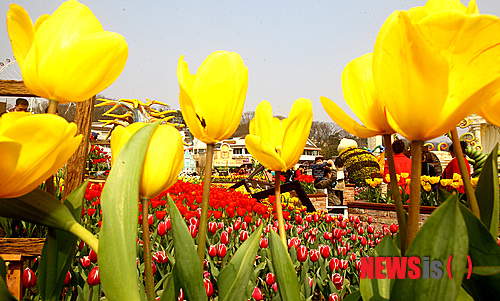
[325, 249]
[150, 234]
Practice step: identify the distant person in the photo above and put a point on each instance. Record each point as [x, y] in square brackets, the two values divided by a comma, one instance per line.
[340, 185]
[299, 172]
[21, 105]
[452, 167]
[402, 164]
[427, 166]
[433, 159]
[326, 183]
[318, 169]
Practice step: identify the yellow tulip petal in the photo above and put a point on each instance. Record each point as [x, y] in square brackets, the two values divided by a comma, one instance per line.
[10, 151]
[262, 121]
[435, 6]
[77, 79]
[40, 21]
[120, 136]
[361, 95]
[264, 154]
[345, 121]
[296, 131]
[411, 76]
[21, 32]
[163, 162]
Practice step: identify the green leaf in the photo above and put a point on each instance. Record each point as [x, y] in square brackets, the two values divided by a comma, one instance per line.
[40, 208]
[171, 290]
[4, 291]
[486, 271]
[187, 264]
[483, 251]
[120, 210]
[59, 250]
[237, 273]
[487, 193]
[354, 296]
[443, 234]
[286, 276]
[380, 289]
[463, 295]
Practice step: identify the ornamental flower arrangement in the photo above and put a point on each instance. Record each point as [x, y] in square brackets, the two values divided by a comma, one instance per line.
[360, 165]
[307, 183]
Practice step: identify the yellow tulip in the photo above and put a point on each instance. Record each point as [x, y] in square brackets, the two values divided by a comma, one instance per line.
[427, 187]
[457, 177]
[432, 66]
[434, 180]
[33, 147]
[212, 100]
[405, 175]
[66, 56]
[164, 157]
[362, 97]
[278, 144]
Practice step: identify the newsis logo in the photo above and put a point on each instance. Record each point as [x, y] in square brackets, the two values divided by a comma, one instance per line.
[412, 267]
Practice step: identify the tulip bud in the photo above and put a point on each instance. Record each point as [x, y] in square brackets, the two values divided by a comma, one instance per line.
[243, 235]
[275, 286]
[324, 250]
[358, 265]
[93, 256]
[370, 219]
[220, 225]
[257, 295]
[270, 278]
[259, 222]
[340, 217]
[161, 257]
[264, 242]
[67, 279]
[151, 220]
[363, 241]
[334, 264]
[393, 228]
[212, 227]
[337, 280]
[212, 251]
[310, 282]
[29, 278]
[302, 253]
[94, 278]
[237, 224]
[193, 230]
[334, 297]
[224, 238]
[314, 255]
[221, 251]
[208, 287]
[181, 295]
[161, 229]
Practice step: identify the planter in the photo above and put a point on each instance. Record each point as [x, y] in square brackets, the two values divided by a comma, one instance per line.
[14, 251]
[318, 200]
[383, 213]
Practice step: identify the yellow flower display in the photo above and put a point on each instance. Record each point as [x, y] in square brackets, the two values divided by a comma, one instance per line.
[30, 156]
[278, 144]
[432, 66]
[66, 56]
[362, 97]
[212, 100]
[434, 180]
[164, 157]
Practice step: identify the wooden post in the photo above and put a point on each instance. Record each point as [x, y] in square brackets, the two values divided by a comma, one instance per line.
[75, 169]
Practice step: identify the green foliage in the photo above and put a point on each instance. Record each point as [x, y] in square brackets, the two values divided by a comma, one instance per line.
[286, 276]
[119, 201]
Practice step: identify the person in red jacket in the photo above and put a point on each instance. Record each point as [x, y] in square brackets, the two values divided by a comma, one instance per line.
[452, 167]
[402, 164]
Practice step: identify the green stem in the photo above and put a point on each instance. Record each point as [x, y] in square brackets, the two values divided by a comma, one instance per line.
[469, 191]
[414, 208]
[52, 109]
[85, 235]
[398, 203]
[279, 210]
[202, 231]
[146, 249]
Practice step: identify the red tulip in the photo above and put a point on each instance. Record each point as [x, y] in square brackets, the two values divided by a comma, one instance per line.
[212, 251]
[93, 256]
[351, 218]
[340, 217]
[337, 233]
[221, 251]
[363, 241]
[358, 265]
[324, 250]
[151, 220]
[212, 227]
[237, 224]
[302, 253]
[337, 280]
[370, 219]
[193, 221]
[334, 264]
[243, 235]
[343, 264]
[257, 295]
[309, 218]
[181, 295]
[160, 214]
[310, 282]
[29, 278]
[85, 261]
[275, 286]
[81, 245]
[343, 224]
[353, 257]
[168, 224]
[334, 297]
[328, 218]
[353, 237]
[91, 211]
[370, 229]
[67, 279]
[220, 225]
[193, 230]
[270, 278]
[314, 255]
[161, 229]
[224, 238]
[244, 226]
[160, 257]
[259, 222]
[393, 228]
[153, 267]
[264, 242]
[208, 287]
[327, 236]
[94, 278]
[316, 217]
[361, 230]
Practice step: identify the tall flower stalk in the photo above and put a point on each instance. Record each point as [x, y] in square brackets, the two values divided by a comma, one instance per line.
[212, 103]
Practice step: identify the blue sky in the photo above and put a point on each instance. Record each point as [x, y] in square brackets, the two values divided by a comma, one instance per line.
[292, 48]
